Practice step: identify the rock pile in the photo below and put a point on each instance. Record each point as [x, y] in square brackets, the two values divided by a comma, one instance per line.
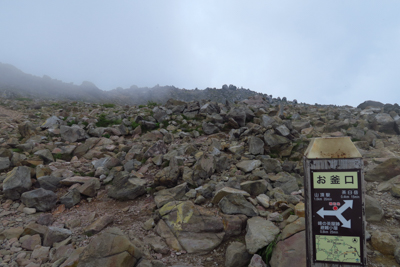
[182, 184]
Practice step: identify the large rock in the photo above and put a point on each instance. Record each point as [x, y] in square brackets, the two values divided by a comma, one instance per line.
[255, 188]
[209, 128]
[125, 187]
[159, 114]
[71, 198]
[4, 163]
[293, 228]
[248, 165]
[51, 122]
[274, 140]
[370, 103]
[159, 148]
[167, 195]
[384, 123]
[197, 229]
[236, 255]
[287, 183]
[267, 121]
[383, 242]
[227, 191]
[373, 209]
[107, 162]
[45, 155]
[110, 248]
[237, 204]
[384, 171]
[282, 130]
[17, 182]
[72, 134]
[260, 232]
[289, 251]
[238, 115]
[256, 146]
[271, 165]
[40, 199]
[50, 182]
[98, 225]
[54, 235]
[27, 129]
[204, 168]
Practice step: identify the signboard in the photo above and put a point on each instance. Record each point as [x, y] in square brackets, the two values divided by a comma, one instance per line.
[337, 216]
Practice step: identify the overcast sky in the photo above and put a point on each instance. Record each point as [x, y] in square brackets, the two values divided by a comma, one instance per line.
[326, 52]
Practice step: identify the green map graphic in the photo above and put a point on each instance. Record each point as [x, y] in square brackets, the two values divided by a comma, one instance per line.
[338, 248]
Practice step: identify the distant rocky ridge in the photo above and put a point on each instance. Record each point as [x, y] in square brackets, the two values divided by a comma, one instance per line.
[16, 84]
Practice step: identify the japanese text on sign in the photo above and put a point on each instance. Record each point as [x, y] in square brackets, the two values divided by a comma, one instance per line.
[335, 180]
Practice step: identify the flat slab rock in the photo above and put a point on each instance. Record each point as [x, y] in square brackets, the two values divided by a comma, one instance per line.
[227, 191]
[81, 180]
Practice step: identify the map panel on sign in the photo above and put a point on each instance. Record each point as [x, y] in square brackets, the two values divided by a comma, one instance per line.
[338, 248]
[335, 180]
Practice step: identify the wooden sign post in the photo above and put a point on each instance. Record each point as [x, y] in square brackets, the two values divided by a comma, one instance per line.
[335, 209]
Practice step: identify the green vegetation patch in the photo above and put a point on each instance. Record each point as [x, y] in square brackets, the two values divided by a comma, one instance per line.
[103, 122]
[109, 105]
[266, 252]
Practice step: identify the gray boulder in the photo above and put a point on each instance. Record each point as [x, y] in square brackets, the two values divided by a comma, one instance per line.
[159, 114]
[236, 255]
[267, 121]
[131, 165]
[209, 128]
[72, 134]
[4, 163]
[71, 198]
[125, 187]
[384, 123]
[110, 248]
[107, 162]
[17, 182]
[256, 146]
[54, 235]
[271, 165]
[282, 130]
[159, 148]
[384, 171]
[259, 233]
[45, 155]
[40, 199]
[51, 122]
[373, 209]
[237, 115]
[370, 103]
[383, 242]
[167, 195]
[273, 140]
[237, 204]
[287, 183]
[199, 231]
[248, 165]
[255, 188]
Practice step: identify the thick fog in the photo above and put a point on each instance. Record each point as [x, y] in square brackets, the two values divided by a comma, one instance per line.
[327, 52]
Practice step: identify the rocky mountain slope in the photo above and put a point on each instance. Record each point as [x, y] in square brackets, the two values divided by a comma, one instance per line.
[196, 183]
[15, 84]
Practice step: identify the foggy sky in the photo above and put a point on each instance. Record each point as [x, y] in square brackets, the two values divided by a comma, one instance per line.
[326, 52]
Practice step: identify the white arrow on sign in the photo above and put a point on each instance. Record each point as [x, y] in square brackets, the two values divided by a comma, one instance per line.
[338, 213]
